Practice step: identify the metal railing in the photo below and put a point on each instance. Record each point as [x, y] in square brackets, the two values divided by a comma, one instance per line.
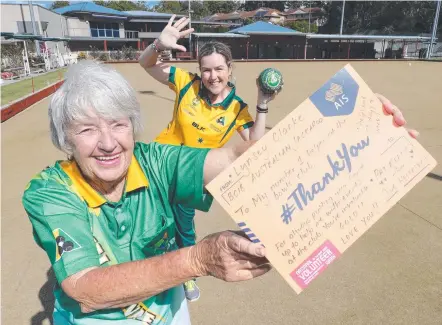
[150, 34]
[131, 33]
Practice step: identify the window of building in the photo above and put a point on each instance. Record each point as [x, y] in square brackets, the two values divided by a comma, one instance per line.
[104, 29]
[25, 27]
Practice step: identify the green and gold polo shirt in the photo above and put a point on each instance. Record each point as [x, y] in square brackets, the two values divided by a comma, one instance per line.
[78, 228]
[196, 121]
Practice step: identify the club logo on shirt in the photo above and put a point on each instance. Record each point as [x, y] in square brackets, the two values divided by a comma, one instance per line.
[141, 313]
[164, 244]
[65, 243]
[221, 120]
[103, 256]
[195, 102]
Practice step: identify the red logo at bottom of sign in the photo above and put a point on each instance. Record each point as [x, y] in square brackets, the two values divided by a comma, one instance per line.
[315, 264]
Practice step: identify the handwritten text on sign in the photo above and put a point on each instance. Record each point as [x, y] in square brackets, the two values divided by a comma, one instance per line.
[302, 197]
[321, 178]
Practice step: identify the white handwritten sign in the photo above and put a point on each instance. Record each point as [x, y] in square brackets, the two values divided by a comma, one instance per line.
[321, 178]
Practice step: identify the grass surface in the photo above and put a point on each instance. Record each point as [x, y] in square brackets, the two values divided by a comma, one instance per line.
[22, 88]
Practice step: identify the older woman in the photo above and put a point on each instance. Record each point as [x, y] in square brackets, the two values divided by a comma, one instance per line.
[105, 218]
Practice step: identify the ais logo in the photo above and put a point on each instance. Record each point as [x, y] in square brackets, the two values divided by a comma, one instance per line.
[338, 96]
[334, 95]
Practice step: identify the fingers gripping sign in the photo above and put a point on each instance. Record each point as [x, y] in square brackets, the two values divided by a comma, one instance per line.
[229, 257]
[250, 258]
[398, 117]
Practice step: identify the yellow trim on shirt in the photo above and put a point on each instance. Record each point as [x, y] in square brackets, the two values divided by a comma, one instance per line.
[135, 180]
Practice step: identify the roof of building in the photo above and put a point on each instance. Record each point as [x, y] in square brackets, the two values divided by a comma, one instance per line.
[221, 16]
[273, 13]
[368, 37]
[249, 14]
[89, 7]
[102, 39]
[257, 13]
[304, 10]
[220, 35]
[18, 36]
[216, 23]
[261, 27]
[141, 13]
[92, 8]
[313, 9]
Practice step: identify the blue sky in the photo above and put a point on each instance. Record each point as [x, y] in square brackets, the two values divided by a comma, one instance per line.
[47, 4]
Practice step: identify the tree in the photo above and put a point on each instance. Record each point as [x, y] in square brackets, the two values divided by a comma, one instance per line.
[361, 17]
[253, 5]
[123, 5]
[59, 4]
[380, 17]
[221, 6]
[12, 55]
[302, 26]
[248, 21]
[305, 4]
[172, 7]
[199, 9]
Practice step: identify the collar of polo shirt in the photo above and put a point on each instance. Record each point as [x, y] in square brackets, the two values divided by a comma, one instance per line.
[226, 101]
[135, 180]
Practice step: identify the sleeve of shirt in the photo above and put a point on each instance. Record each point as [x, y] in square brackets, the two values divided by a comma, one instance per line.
[181, 170]
[244, 120]
[61, 227]
[179, 79]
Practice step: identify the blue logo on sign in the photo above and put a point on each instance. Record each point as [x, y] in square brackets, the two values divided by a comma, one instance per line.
[338, 96]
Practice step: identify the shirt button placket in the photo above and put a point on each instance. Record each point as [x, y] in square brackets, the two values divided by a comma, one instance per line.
[121, 221]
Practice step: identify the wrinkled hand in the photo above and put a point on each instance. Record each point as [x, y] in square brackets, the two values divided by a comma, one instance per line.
[263, 98]
[229, 256]
[172, 33]
[398, 117]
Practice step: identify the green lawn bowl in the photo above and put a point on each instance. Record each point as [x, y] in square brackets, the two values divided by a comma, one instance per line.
[270, 80]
